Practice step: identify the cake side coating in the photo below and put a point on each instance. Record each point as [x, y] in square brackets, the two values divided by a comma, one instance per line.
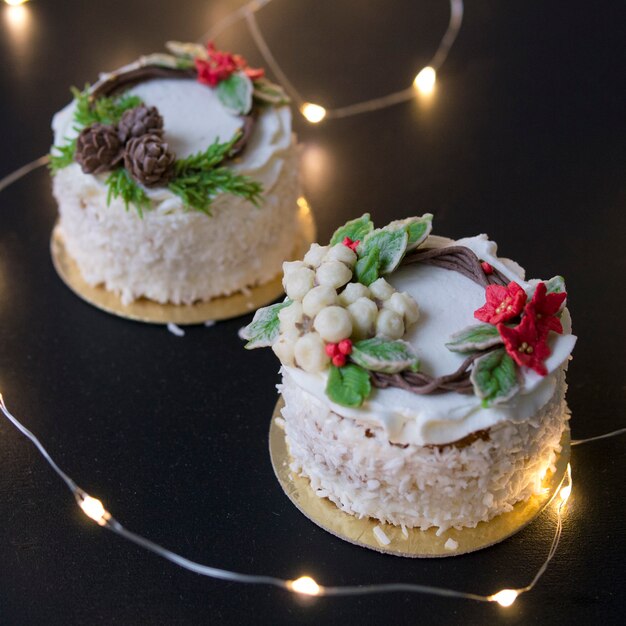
[354, 465]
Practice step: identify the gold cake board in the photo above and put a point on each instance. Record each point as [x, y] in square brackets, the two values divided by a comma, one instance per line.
[149, 311]
[419, 543]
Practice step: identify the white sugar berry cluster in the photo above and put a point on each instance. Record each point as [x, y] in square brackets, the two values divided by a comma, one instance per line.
[327, 308]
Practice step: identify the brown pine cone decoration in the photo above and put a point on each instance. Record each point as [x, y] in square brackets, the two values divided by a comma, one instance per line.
[149, 161]
[98, 149]
[140, 121]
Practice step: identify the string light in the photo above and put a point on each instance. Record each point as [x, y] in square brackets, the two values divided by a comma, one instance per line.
[424, 82]
[313, 113]
[304, 585]
[15, 3]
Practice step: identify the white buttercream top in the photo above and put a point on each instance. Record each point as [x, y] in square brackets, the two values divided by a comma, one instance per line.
[447, 303]
[193, 118]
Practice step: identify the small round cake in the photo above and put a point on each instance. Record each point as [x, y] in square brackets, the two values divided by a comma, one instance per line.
[177, 178]
[423, 378]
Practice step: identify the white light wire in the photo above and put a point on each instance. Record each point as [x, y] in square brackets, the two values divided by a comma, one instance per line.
[248, 11]
[106, 520]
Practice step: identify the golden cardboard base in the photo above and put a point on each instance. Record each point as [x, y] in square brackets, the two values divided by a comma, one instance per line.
[419, 543]
[149, 311]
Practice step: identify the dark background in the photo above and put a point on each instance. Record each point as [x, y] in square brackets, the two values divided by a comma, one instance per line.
[523, 139]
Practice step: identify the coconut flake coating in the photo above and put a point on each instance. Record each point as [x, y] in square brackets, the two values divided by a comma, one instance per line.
[352, 463]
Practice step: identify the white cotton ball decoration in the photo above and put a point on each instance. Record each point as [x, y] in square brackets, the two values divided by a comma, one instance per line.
[405, 305]
[342, 253]
[290, 266]
[363, 315]
[334, 274]
[290, 316]
[298, 282]
[310, 353]
[315, 255]
[284, 349]
[353, 292]
[389, 324]
[317, 299]
[381, 289]
[333, 324]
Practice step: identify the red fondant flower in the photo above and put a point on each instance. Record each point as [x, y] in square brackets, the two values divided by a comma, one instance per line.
[503, 303]
[544, 307]
[221, 65]
[348, 243]
[526, 344]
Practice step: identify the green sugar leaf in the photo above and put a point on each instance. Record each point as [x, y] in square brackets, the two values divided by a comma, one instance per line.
[264, 327]
[473, 338]
[556, 285]
[418, 228]
[235, 93]
[391, 245]
[356, 230]
[494, 377]
[384, 355]
[366, 268]
[348, 385]
[269, 92]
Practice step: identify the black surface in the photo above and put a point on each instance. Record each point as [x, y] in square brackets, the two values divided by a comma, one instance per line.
[525, 139]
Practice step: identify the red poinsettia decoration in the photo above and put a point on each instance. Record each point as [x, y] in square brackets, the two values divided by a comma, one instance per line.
[221, 65]
[543, 308]
[503, 303]
[526, 344]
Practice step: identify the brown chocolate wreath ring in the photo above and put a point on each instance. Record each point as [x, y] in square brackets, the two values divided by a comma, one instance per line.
[458, 259]
[121, 80]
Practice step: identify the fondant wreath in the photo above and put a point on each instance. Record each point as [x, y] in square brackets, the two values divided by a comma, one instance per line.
[118, 134]
[340, 314]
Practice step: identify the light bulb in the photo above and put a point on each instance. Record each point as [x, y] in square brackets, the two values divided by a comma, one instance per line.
[313, 113]
[506, 597]
[93, 508]
[566, 490]
[305, 585]
[425, 81]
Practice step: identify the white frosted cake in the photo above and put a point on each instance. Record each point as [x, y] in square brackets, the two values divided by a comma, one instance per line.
[431, 397]
[139, 215]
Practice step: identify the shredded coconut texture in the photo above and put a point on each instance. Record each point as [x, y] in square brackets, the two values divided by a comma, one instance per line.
[173, 254]
[353, 464]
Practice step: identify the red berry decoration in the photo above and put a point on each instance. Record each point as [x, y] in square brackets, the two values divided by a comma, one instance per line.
[332, 349]
[339, 360]
[487, 268]
[345, 347]
[351, 244]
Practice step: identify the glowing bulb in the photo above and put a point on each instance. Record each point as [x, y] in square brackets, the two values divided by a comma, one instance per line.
[506, 597]
[425, 81]
[15, 3]
[305, 585]
[93, 508]
[313, 113]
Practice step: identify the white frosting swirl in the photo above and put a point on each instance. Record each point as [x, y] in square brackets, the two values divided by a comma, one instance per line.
[447, 303]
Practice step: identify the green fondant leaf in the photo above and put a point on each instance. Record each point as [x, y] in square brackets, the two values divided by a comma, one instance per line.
[166, 60]
[384, 355]
[392, 245]
[266, 91]
[186, 50]
[477, 337]
[355, 229]
[235, 93]
[494, 376]
[556, 285]
[263, 329]
[366, 268]
[418, 228]
[348, 385]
